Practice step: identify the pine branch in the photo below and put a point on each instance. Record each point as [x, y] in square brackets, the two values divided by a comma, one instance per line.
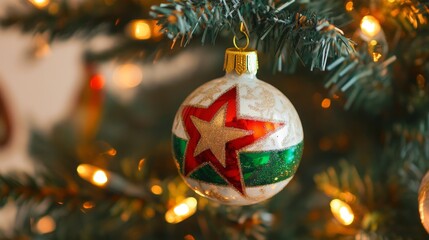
[412, 16]
[408, 146]
[86, 19]
[366, 83]
[333, 10]
[288, 36]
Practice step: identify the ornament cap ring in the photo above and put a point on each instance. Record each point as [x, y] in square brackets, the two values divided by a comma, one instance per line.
[234, 40]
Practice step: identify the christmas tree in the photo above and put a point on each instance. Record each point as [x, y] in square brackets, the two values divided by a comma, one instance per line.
[355, 70]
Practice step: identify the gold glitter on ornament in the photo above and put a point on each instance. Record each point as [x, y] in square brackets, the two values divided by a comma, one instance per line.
[214, 135]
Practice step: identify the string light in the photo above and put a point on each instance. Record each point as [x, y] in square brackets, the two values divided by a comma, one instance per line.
[342, 212]
[376, 56]
[349, 6]
[45, 225]
[88, 205]
[181, 211]
[40, 3]
[326, 103]
[143, 29]
[370, 26]
[99, 178]
[93, 174]
[139, 29]
[128, 75]
[156, 189]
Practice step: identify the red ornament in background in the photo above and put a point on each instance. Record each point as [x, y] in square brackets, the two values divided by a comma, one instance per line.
[89, 107]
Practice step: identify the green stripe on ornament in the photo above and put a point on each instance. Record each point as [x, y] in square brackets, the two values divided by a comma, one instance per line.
[207, 172]
[179, 148]
[258, 168]
[262, 168]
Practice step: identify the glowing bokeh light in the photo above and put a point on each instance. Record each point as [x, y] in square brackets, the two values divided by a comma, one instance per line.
[370, 26]
[342, 212]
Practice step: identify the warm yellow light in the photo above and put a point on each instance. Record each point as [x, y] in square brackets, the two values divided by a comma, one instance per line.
[93, 174]
[181, 211]
[349, 6]
[88, 205]
[45, 225]
[376, 56]
[370, 26]
[140, 29]
[99, 178]
[112, 152]
[156, 189]
[326, 103]
[342, 212]
[39, 3]
[128, 75]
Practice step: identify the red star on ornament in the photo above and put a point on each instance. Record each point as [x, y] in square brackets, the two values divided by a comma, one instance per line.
[217, 133]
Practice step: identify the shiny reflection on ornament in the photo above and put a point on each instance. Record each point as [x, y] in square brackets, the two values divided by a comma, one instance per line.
[342, 212]
[93, 174]
[156, 189]
[40, 3]
[370, 26]
[127, 75]
[45, 225]
[349, 6]
[181, 211]
[139, 29]
[326, 103]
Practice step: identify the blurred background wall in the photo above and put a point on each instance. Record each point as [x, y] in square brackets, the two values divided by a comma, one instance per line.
[37, 93]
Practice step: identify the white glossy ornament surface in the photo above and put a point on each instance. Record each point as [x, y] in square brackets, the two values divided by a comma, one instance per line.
[255, 100]
[228, 195]
[258, 100]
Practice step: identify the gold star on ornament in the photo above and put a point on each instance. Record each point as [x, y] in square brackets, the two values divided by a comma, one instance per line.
[214, 135]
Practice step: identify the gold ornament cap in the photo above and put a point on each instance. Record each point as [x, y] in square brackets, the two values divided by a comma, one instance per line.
[241, 61]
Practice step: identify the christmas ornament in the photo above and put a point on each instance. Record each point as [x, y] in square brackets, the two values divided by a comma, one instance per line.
[236, 139]
[424, 201]
[89, 107]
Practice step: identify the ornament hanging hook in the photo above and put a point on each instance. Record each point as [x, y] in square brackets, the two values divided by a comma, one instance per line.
[242, 30]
